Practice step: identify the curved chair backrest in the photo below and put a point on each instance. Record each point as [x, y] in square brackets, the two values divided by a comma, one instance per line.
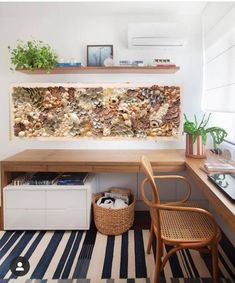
[148, 171]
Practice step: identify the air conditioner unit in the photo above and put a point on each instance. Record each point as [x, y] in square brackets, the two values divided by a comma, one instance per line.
[162, 34]
[157, 41]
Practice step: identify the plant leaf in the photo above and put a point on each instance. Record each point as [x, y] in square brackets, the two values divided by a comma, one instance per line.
[194, 137]
[203, 135]
[218, 134]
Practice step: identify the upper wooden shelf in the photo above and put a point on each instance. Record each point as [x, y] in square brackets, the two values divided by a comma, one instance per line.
[96, 70]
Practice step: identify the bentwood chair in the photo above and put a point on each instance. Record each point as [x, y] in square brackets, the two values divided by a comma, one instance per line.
[177, 224]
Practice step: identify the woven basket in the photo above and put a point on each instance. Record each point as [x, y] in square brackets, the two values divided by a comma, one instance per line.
[114, 221]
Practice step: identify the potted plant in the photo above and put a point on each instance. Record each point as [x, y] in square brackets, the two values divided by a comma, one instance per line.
[33, 55]
[197, 136]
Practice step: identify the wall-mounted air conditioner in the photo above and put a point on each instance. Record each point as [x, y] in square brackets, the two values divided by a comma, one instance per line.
[157, 41]
[162, 34]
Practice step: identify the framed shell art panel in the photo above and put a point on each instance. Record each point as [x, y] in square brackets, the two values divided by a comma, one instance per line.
[75, 111]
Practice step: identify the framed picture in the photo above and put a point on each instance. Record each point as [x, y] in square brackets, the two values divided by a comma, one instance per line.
[96, 54]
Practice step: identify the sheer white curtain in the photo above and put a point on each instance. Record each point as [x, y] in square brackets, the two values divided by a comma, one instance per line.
[220, 74]
[219, 71]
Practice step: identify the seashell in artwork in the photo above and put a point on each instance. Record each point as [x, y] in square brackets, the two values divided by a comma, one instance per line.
[21, 134]
[74, 118]
[116, 111]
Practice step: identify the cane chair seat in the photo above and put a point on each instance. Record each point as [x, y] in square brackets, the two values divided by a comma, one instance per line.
[178, 226]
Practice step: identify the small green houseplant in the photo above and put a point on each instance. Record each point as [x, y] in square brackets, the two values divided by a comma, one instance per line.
[198, 131]
[33, 54]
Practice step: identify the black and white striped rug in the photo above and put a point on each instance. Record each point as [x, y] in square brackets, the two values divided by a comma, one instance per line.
[130, 280]
[90, 255]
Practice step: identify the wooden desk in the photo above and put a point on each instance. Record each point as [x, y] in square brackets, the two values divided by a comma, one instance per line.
[92, 160]
[224, 207]
[114, 161]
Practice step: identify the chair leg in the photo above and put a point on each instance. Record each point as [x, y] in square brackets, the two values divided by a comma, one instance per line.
[215, 268]
[156, 277]
[151, 234]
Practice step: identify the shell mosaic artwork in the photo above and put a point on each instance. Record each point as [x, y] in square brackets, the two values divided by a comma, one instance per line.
[76, 111]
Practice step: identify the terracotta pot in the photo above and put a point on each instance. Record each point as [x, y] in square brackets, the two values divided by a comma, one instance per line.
[195, 150]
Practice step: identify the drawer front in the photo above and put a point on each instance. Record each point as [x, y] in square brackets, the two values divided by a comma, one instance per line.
[66, 199]
[69, 168]
[116, 168]
[25, 168]
[24, 219]
[25, 199]
[67, 219]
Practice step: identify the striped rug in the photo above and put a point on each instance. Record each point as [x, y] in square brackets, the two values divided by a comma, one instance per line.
[56, 255]
[130, 280]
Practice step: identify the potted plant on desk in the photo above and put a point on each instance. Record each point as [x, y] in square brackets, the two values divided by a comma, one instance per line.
[197, 136]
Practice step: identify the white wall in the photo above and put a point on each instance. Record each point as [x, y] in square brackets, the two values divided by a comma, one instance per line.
[69, 34]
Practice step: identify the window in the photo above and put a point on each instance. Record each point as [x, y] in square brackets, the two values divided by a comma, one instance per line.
[219, 79]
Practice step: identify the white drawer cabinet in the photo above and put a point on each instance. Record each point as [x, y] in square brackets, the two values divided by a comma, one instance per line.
[69, 217]
[66, 199]
[25, 219]
[48, 207]
[25, 198]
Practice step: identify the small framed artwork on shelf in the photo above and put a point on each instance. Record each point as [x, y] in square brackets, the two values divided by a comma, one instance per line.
[96, 54]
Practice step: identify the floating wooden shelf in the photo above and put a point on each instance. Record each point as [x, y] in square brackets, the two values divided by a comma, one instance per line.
[96, 70]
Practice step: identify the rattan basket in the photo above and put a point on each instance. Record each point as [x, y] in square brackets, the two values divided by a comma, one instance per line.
[114, 221]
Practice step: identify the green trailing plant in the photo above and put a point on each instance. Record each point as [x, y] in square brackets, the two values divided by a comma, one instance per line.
[196, 128]
[33, 54]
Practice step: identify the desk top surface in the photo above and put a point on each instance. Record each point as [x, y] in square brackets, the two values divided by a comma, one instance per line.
[106, 157]
[122, 161]
[213, 193]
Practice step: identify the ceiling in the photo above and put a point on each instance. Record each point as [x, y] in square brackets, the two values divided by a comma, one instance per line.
[88, 8]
